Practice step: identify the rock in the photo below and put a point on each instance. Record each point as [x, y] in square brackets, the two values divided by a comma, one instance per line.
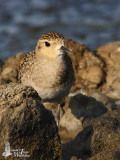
[2, 81]
[84, 106]
[70, 126]
[107, 155]
[78, 108]
[87, 66]
[93, 73]
[109, 103]
[74, 158]
[26, 124]
[110, 53]
[106, 133]
[10, 68]
[51, 106]
[99, 139]
[76, 139]
[1, 65]
[79, 147]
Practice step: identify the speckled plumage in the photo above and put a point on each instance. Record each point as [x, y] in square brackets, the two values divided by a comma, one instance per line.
[24, 63]
[48, 69]
[52, 35]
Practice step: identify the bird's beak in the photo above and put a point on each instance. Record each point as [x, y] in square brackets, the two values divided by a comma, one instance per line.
[62, 48]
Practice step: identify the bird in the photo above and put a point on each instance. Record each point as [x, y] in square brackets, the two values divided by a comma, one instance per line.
[48, 69]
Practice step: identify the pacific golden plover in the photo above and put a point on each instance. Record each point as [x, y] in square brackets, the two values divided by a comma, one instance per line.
[48, 69]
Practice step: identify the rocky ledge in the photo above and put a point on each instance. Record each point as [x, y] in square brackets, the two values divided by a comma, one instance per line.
[90, 118]
[26, 124]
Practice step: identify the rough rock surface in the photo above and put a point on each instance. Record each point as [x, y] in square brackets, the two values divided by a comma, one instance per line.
[99, 139]
[25, 123]
[110, 53]
[87, 66]
[10, 69]
[1, 65]
[106, 135]
[107, 155]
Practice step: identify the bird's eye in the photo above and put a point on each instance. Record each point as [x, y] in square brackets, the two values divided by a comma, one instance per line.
[47, 44]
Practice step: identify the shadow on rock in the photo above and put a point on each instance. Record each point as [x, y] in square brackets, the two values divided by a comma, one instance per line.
[80, 146]
[84, 106]
[77, 109]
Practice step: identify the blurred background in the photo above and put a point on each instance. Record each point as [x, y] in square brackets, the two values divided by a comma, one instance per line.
[91, 22]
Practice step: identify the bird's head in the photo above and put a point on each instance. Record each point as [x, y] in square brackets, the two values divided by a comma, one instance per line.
[51, 44]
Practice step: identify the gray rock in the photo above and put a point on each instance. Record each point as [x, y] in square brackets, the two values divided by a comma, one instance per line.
[25, 123]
